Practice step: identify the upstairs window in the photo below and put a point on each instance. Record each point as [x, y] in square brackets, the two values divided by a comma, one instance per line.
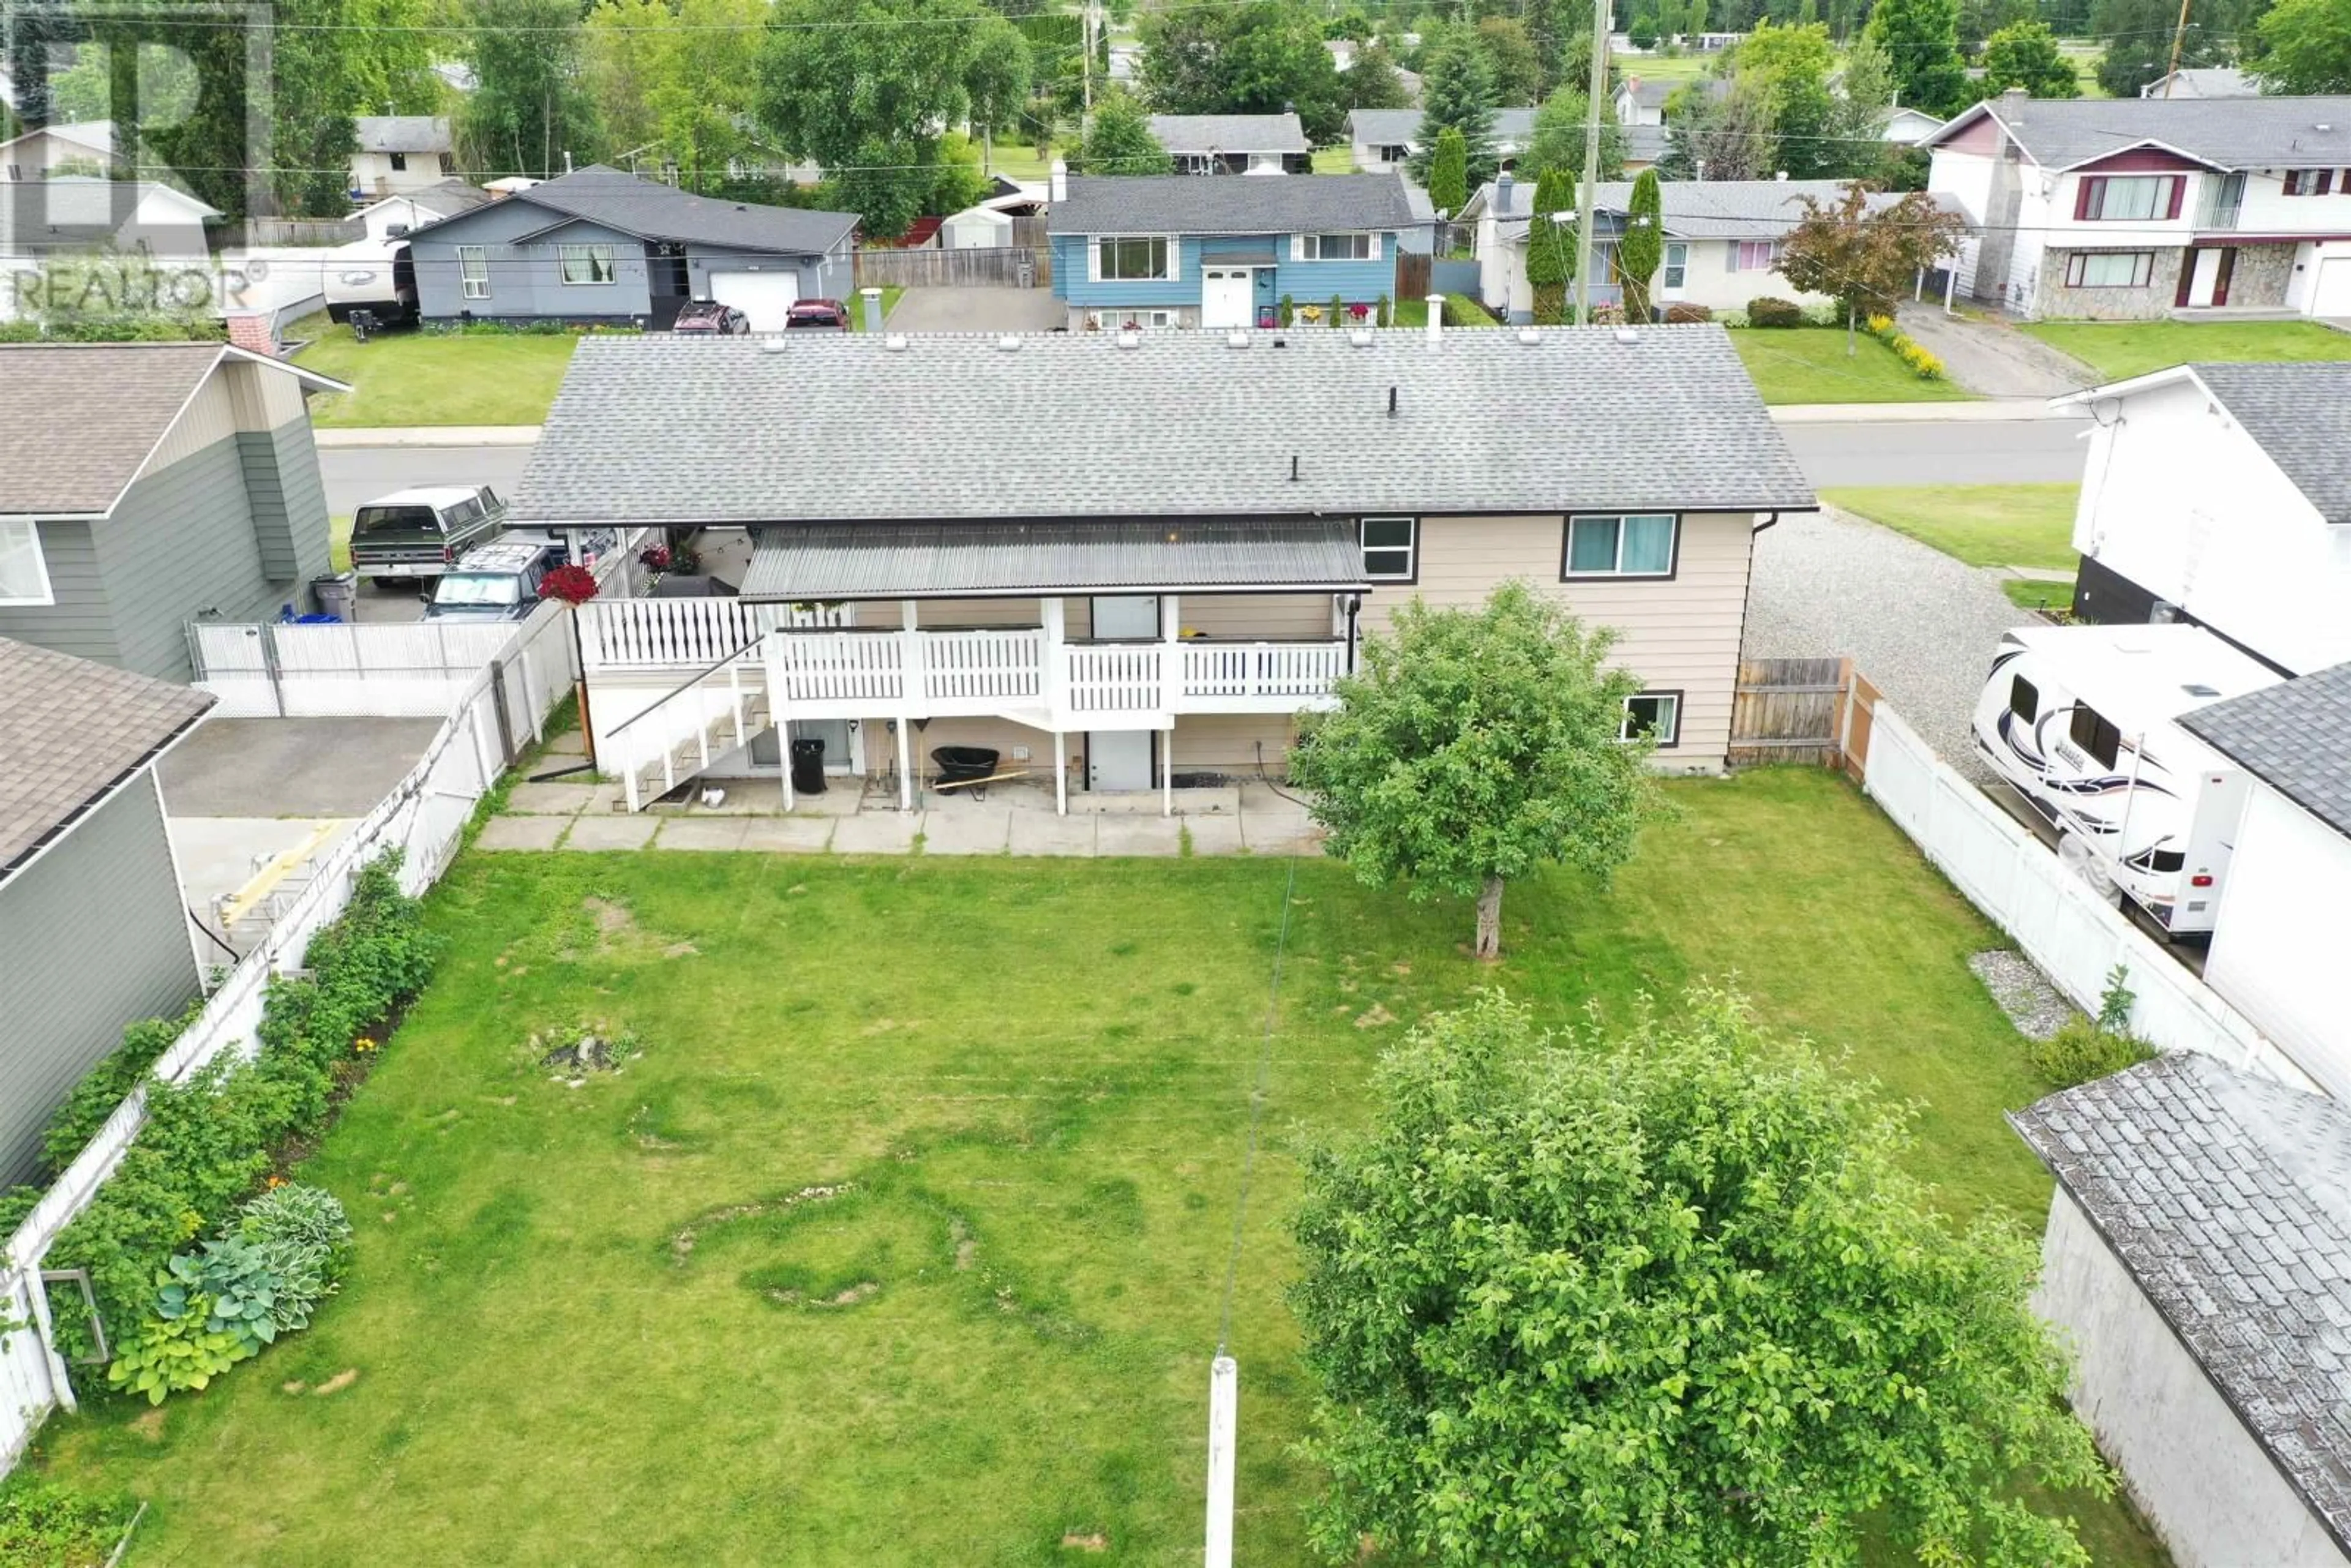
[2135, 198]
[1620, 546]
[400, 162]
[2312, 182]
[1391, 549]
[1337, 248]
[1130, 260]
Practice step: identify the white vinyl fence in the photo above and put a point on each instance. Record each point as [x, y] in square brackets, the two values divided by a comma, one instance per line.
[499, 710]
[276, 671]
[2070, 935]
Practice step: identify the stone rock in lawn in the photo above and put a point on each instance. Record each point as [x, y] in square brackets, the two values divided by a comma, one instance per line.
[593, 1053]
[2036, 1007]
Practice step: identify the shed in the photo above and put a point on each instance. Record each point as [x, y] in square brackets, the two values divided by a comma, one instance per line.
[975, 228]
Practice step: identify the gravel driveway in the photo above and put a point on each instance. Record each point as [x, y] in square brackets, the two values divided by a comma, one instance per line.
[1920, 625]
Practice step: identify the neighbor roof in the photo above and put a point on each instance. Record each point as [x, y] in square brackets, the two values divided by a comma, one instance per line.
[2301, 416]
[1144, 204]
[1231, 134]
[656, 429]
[404, 133]
[1643, 143]
[2227, 133]
[82, 418]
[2228, 1198]
[442, 197]
[651, 210]
[1400, 127]
[917, 559]
[2295, 737]
[98, 135]
[1701, 209]
[2205, 82]
[1649, 92]
[69, 731]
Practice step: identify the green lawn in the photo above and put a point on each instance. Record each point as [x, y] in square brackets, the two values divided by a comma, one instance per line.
[1664, 67]
[1339, 160]
[1414, 312]
[618, 1315]
[339, 541]
[2029, 595]
[411, 378]
[2116, 350]
[1809, 364]
[1016, 161]
[1982, 525]
[856, 303]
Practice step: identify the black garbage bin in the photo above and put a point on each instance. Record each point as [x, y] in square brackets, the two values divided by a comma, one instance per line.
[808, 766]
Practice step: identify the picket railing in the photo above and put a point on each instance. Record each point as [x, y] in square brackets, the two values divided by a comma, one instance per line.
[1218, 675]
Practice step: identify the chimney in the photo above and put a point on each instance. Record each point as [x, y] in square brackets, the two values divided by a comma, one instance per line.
[1435, 319]
[1059, 180]
[872, 297]
[1502, 195]
[2013, 95]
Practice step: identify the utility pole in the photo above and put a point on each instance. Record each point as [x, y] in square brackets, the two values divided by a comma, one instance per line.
[2179, 35]
[1086, 33]
[1584, 203]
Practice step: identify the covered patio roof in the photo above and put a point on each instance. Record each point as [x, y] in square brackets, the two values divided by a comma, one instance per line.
[801, 561]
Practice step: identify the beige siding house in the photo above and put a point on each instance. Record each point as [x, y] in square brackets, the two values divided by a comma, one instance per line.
[1130, 561]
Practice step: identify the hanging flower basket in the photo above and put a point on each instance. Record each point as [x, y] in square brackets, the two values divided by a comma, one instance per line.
[571, 584]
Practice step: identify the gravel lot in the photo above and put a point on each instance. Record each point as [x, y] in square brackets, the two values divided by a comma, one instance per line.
[1920, 625]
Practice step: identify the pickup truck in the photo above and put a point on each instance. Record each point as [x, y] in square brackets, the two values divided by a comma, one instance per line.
[412, 536]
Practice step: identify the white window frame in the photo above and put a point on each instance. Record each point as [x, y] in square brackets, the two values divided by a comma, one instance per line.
[1674, 275]
[1308, 246]
[2102, 198]
[1142, 317]
[599, 257]
[1173, 254]
[473, 271]
[1410, 549]
[22, 535]
[1569, 573]
[1669, 733]
[1770, 248]
[2142, 264]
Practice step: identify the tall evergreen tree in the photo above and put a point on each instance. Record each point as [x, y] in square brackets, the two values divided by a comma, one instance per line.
[1449, 171]
[1457, 93]
[1643, 248]
[1551, 248]
[1921, 37]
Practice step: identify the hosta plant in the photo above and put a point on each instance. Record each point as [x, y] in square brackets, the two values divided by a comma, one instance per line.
[231, 1281]
[175, 1353]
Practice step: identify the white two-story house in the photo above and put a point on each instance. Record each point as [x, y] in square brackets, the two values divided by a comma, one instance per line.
[2130, 210]
[2220, 494]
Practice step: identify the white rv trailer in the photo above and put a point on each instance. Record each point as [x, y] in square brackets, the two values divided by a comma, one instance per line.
[2079, 721]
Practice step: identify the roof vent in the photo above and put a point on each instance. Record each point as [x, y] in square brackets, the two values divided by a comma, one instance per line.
[1360, 338]
[895, 342]
[1128, 338]
[772, 345]
[2199, 689]
[1530, 337]
[1237, 340]
[1009, 342]
[1627, 335]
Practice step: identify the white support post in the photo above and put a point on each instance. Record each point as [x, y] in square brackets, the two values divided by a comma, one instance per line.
[1060, 772]
[1168, 773]
[735, 698]
[913, 682]
[778, 705]
[1171, 672]
[1224, 1433]
[1055, 660]
[905, 766]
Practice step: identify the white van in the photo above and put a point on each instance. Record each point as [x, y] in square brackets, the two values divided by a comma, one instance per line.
[2078, 721]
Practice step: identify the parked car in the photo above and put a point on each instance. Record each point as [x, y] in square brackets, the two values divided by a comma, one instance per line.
[710, 316]
[823, 314]
[493, 581]
[411, 536]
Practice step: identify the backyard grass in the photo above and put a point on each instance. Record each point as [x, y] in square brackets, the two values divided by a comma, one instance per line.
[631, 1312]
[410, 378]
[1809, 364]
[2116, 350]
[1982, 525]
[1414, 312]
[856, 304]
[1015, 161]
[1339, 160]
[339, 541]
[2026, 594]
[1665, 67]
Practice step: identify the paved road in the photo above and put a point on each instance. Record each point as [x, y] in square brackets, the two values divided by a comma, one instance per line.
[1979, 451]
[1998, 452]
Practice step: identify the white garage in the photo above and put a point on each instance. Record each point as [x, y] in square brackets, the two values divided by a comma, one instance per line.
[764, 297]
[2330, 292]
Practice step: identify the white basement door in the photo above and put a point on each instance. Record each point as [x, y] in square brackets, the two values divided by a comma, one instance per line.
[764, 297]
[1227, 294]
[2331, 294]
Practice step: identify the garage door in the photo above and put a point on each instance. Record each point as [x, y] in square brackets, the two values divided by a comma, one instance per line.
[2331, 296]
[762, 296]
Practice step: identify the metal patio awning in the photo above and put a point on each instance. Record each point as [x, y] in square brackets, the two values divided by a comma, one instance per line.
[803, 561]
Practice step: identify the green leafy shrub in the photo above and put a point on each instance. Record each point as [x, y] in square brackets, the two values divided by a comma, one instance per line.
[45, 1524]
[174, 1355]
[1767, 311]
[304, 1237]
[1385, 313]
[2080, 1050]
[106, 1085]
[1336, 311]
[1287, 310]
[233, 1283]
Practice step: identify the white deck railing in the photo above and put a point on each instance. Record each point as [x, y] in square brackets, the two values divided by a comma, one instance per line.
[1260, 670]
[681, 633]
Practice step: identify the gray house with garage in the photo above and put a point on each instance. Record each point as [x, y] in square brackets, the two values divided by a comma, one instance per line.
[601, 247]
[92, 933]
[148, 486]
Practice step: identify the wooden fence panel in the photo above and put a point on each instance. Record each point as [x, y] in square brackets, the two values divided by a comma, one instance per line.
[1412, 274]
[1860, 713]
[1010, 267]
[1789, 710]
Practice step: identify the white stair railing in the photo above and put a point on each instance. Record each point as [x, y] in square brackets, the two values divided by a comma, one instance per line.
[675, 738]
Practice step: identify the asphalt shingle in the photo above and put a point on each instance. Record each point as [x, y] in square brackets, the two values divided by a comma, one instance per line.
[82, 417]
[2301, 416]
[2263, 1315]
[1700, 209]
[1146, 204]
[2295, 735]
[846, 428]
[1231, 134]
[404, 133]
[651, 210]
[2227, 133]
[69, 730]
[1512, 128]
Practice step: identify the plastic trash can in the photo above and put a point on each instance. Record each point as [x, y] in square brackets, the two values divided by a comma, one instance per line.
[808, 766]
[338, 594]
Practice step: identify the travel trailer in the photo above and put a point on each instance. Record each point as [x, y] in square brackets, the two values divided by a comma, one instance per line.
[2079, 720]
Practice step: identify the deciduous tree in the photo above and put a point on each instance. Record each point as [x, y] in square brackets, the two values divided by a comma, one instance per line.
[1865, 260]
[1475, 746]
[1642, 247]
[1510, 58]
[1921, 37]
[2306, 48]
[530, 106]
[2025, 55]
[1372, 82]
[1457, 93]
[1265, 57]
[2138, 35]
[1557, 140]
[1664, 1294]
[1119, 139]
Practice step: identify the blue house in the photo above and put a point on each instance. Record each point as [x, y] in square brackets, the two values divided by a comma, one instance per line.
[1161, 251]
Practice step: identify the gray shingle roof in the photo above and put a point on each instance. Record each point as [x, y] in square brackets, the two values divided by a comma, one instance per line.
[81, 418]
[2297, 735]
[2229, 1199]
[1707, 209]
[842, 428]
[68, 730]
[2206, 81]
[651, 210]
[1231, 134]
[1643, 143]
[1146, 204]
[2227, 132]
[2301, 416]
[837, 561]
[1401, 127]
[404, 133]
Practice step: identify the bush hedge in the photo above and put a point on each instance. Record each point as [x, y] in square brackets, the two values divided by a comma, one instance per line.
[44, 1524]
[1682, 315]
[209, 1141]
[1768, 311]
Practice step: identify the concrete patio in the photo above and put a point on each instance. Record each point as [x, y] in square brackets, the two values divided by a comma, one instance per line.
[851, 819]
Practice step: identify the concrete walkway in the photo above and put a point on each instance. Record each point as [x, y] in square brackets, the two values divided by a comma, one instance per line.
[1015, 820]
[1990, 356]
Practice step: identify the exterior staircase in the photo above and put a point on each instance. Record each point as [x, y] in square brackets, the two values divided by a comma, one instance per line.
[717, 711]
